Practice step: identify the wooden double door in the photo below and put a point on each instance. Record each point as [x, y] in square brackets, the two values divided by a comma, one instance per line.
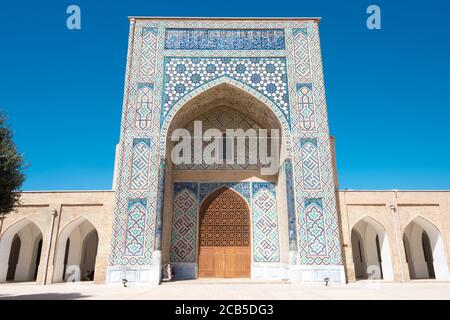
[224, 249]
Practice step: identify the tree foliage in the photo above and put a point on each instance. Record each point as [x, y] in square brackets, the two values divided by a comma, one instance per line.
[11, 169]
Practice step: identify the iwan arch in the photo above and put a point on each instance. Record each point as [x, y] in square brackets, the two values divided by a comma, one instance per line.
[226, 220]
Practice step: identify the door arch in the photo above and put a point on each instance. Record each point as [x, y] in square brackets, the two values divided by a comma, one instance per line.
[20, 251]
[233, 91]
[224, 242]
[371, 250]
[424, 248]
[76, 252]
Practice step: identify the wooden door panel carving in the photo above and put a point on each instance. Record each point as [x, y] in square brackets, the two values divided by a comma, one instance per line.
[224, 236]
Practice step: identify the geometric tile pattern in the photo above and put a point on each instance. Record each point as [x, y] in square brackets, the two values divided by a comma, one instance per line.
[261, 196]
[265, 75]
[144, 106]
[140, 168]
[134, 245]
[301, 52]
[266, 246]
[310, 164]
[184, 223]
[148, 51]
[306, 107]
[314, 221]
[224, 39]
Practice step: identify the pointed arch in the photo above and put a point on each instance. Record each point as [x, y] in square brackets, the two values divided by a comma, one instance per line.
[76, 251]
[216, 191]
[20, 251]
[17, 225]
[424, 247]
[222, 186]
[423, 222]
[224, 80]
[224, 232]
[370, 220]
[371, 250]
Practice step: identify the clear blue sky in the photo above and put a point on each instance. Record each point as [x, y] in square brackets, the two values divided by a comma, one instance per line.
[388, 91]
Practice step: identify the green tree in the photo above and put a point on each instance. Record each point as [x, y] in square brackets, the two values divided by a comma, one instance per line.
[11, 170]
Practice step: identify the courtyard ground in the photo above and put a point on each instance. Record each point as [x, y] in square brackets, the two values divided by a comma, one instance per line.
[229, 289]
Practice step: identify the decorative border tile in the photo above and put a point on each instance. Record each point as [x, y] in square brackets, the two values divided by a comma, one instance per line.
[184, 223]
[224, 39]
[266, 245]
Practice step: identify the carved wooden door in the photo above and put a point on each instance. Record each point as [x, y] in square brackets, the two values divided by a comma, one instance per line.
[224, 236]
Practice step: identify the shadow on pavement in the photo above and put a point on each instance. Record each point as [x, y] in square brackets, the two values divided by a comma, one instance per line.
[43, 296]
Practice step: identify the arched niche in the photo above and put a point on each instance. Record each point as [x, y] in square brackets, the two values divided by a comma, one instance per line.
[371, 250]
[76, 252]
[424, 248]
[20, 252]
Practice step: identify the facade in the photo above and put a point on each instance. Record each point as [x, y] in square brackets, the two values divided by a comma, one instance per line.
[225, 220]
